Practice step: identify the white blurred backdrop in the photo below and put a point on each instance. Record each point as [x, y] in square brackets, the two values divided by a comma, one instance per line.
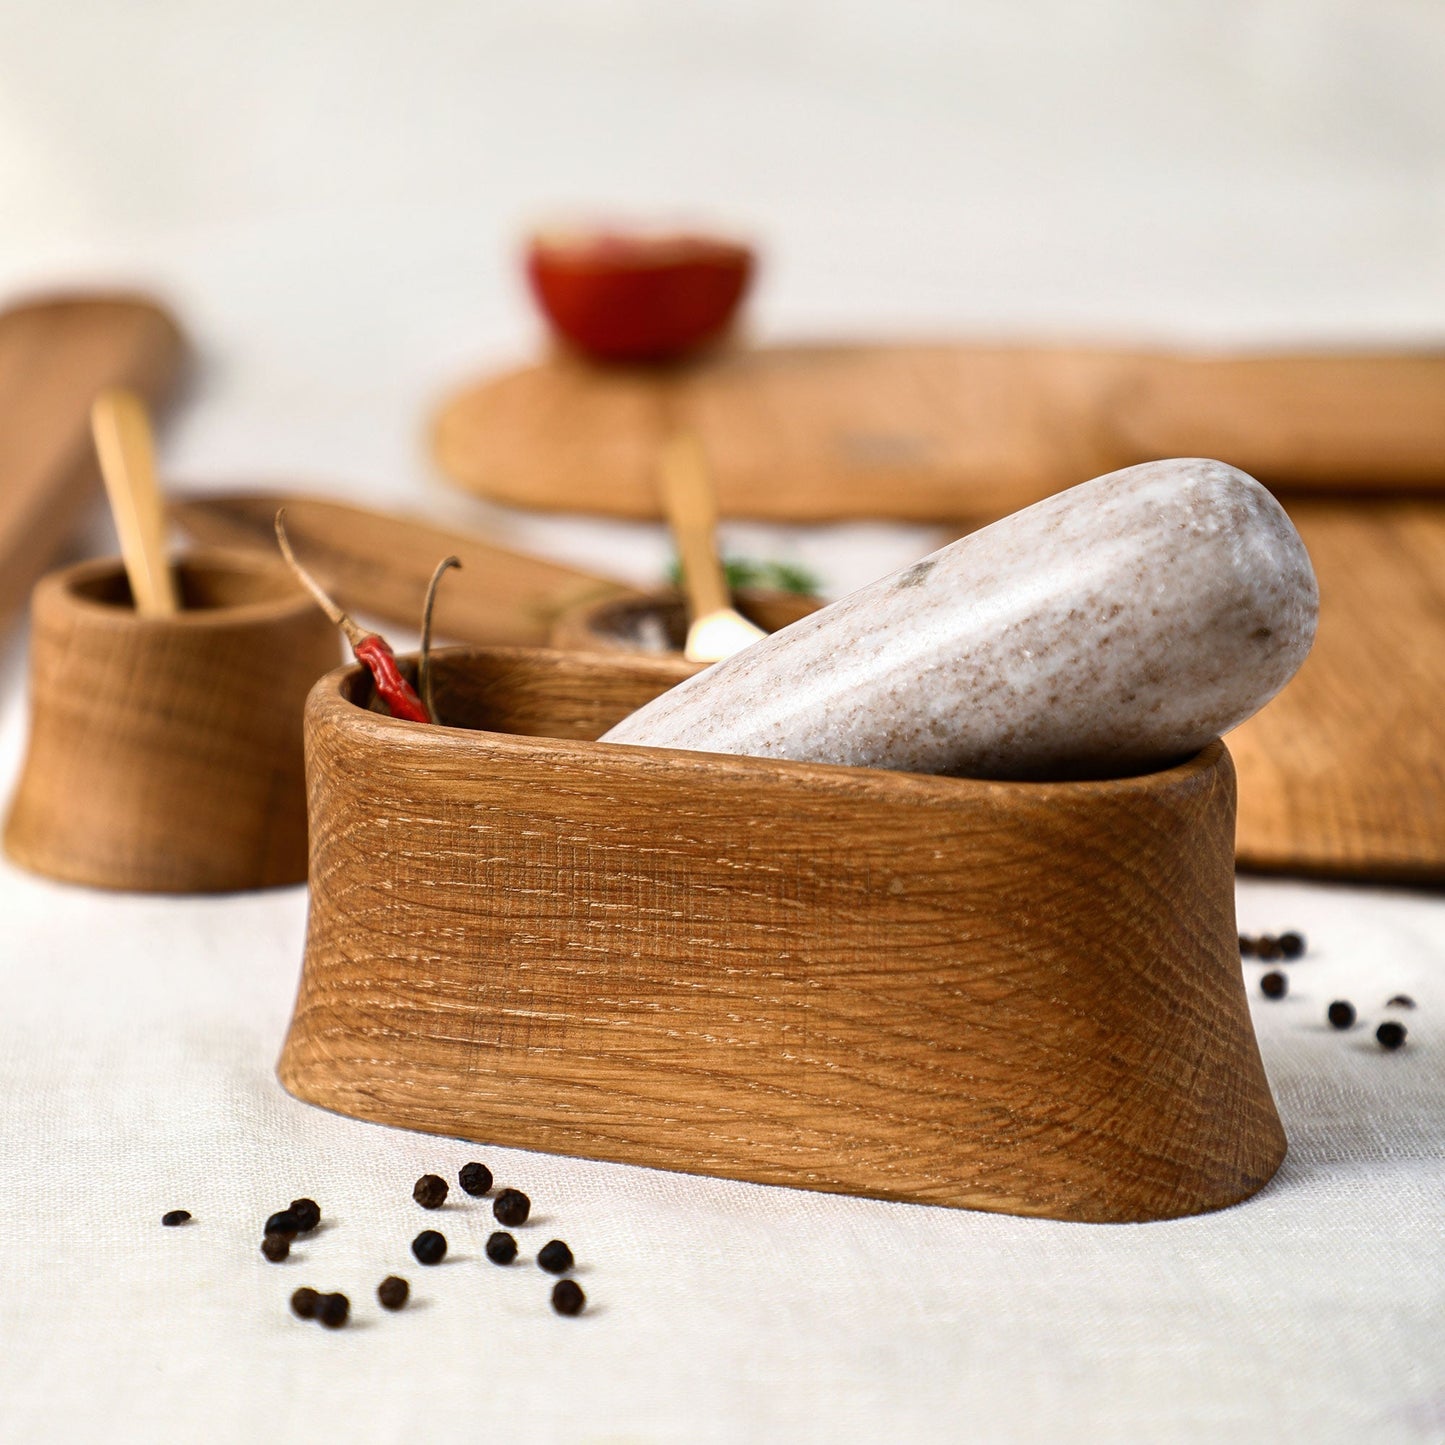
[331, 193]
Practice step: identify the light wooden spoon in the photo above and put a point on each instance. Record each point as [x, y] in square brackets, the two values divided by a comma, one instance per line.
[122, 432]
[715, 628]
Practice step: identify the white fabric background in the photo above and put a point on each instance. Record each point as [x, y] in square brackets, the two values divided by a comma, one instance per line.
[328, 202]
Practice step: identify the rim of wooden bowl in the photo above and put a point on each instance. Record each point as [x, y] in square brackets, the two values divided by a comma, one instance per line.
[64, 587]
[330, 701]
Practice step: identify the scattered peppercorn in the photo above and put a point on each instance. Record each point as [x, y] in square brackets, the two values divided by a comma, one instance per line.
[1291, 945]
[307, 1214]
[1401, 1000]
[1342, 1013]
[476, 1179]
[511, 1207]
[392, 1292]
[430, 1191]
[304, 1302]
[1390, 1035]
[567, 1297]
[501, 1248]
[283, 1223]
[332, 1310]
[1246, 946]
[176, 1216]
[555, 1257]
[1267, 947]
[1274, 985]
[276, 1247]
[429, 1247]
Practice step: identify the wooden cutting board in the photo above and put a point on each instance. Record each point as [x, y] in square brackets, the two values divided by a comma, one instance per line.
[926, 433]
[1344, 773]
[56, 353]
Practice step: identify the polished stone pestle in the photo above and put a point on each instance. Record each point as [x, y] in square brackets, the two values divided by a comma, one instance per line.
[1114, 628]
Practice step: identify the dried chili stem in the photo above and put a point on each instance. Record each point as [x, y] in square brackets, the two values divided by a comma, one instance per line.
[343, 620]
[424, 673]
[370, 648]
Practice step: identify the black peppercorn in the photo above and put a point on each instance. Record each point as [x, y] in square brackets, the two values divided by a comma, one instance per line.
[304, 1302]
[306, 1213]
[1267, 947]
[429, 1247]
[1274, 985]
[275, 1247]
[476, 1179]
[1390, 1035]
[555, 1257]
[176, 1216]
[567, 1297]
[1291, 945]
[283, 1223]
[511, 1207]
[430, 1191]
[1401, 1000]
[332, 1310]
[1342, 1013]
[501, 1248]
[392, 1292]
[1246, 946]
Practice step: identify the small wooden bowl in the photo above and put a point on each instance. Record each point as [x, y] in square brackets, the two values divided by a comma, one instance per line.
[1023, 997]
[165, 753]
[656, 622]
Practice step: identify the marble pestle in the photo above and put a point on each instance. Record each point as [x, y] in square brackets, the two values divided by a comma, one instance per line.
[1114, 628]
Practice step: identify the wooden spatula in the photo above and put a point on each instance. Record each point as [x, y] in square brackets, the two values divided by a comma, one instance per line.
[55, 355]
[715, 628]
[378, 564]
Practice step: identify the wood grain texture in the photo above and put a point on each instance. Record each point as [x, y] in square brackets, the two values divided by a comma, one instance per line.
[1343, 774]
[56, 353]
[1017, 997]
[378, 564]
[936, 432]
[165, 753]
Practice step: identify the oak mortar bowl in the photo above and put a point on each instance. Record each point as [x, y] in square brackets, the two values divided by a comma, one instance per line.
[656, 622]
[165, 753]
[1024, 997]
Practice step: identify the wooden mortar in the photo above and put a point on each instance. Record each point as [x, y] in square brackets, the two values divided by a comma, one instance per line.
[1023, 997]
[165, 753]
[656, 622]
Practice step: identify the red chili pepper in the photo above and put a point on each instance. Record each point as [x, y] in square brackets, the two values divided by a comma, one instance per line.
[371, 649]
[395, 691]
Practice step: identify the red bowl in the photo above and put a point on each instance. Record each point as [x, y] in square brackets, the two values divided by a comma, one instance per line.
[638, 298]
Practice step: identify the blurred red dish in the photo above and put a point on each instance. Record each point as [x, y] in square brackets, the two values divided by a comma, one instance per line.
[621, 297]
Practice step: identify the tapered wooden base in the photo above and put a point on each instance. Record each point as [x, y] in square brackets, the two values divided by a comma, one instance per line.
[165, 752]
[1018, 997]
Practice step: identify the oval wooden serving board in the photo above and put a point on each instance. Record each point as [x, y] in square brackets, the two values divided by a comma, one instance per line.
[929, 432]
[1343, 774]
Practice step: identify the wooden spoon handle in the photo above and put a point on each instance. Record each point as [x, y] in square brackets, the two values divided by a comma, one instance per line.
[123, 441]
[692, 514]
